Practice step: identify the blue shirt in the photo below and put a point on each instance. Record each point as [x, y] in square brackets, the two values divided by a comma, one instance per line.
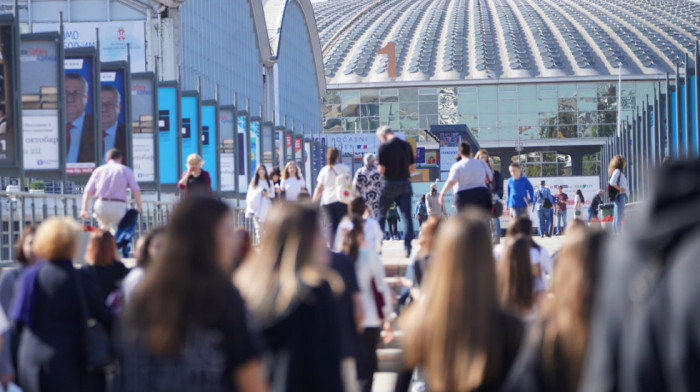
[517, 191]
[75, 136]
[541, 195]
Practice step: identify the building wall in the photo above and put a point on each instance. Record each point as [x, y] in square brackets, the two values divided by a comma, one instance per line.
[297, 91]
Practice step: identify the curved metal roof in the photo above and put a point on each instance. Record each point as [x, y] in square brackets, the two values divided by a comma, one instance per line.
[495, 39]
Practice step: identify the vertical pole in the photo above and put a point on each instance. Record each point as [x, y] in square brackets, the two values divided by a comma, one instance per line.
[679, 114]
[236, 151]
[619, 98]
[668, 146]
[687, 108]
[657, 126]
[697, 98]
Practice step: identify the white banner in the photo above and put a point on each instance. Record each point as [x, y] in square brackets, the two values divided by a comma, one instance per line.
[40, 139]
[114, 36]
[144, 157]
[228, 183]
[307, 164]
[355, 144]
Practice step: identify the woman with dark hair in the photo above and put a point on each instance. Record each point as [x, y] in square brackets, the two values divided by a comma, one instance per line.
[539, 256]
[327, 191]
[456, 333]
[618, 182]
[368, 183]
[24, 254]
[101, 256]
[288, 288]
[185, 327]
[149, 247]
[258, 199]
[276, 179]
[553, 357]
[578, 204]
[515, 280]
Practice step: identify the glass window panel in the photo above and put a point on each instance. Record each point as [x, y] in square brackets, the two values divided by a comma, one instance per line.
[409, 122]
[508, 133]
[389, 98]
[488, 106]
[606, 130]
[369, 96]
[644, 89]
[351, 124]
[586, 118]
[607, 117]
[388, 109]
[567, 118]
[488, 92]
[565, 171]
[369, 110]
[466, 90]
[549, 170]
[428, 107]
[587, 90]
[352, 110]
[349, 100]
[467, 104]
[507, 92]
[408, 109]
[547, 118]
[527, 91]
[547, 91]
[389, 92]
[549, 157]
[533, 171]
[607, 89]
[332, 124]
[528, 119]
[507, 106]
[330, 110]
[332, 97]
[468, 119]
[391, 121]
[487, 133]
[568, 131]
[427, 98]
[529, 132]
[567, 90]
[567, 104]
[370, 123]
[427, 121]
[591, 168]
[488, 120]
[548, 132]
[607, 103]
[427, 91]
[546, 105]
[529, 106]
[408, 95]
[508, 119]
[629, 102]
[588, 103]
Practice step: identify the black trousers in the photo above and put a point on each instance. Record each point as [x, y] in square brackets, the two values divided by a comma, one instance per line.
[475, 197]
[393, 226]
[367, 363]
[334, 213]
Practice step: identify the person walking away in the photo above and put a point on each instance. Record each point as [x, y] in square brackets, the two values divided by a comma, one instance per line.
[539, 256]
[393, 219]
[496, 188]
[327, 191]
[618, 181]
[186, 326]
[195, 180]
[9, 280]
[151, 247]
[552, 358]
[292, 184]
[471, 178]
[377, 314]
[108, 185]
[516, 289]
[50, 316]
[595, 206]
[456, 332]
[396, 162]
[432, 201]
[368, 183]
[101, 256]
[543, 204]
[421, 212]
[373, 233]
[290, 292]
[578, 204]
[258, 199]
[561, 200]
[520, 192]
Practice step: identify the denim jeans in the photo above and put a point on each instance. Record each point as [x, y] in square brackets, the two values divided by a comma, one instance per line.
[619, 211]
[398, 192]
[561, 216]
[497, 229]
[520, 211]
[592, 214]
[544, 216]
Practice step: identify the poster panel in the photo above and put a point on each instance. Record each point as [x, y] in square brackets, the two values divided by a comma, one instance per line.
[308, 174]
[189, 128]
[114, 38]
[80, 119]
[449, 149]
[226, 153]
[8, 134]
[242, 122]
[267, 144]
[167, 134]
[143, 140]
[209, 138]
[113, 113]
[40, 116]
[355, 144]
[255, 144]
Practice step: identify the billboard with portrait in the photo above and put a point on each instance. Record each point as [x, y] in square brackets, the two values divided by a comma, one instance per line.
[40, 81]
[226, 152]
[242, 126]
[8, 80]
[143, 137]
[209, 138]
[112, 113]
[79, 106]
[189, 128]
[168, 134]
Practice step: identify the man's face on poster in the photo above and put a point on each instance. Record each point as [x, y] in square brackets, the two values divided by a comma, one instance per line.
[110, 108]
[76, 98]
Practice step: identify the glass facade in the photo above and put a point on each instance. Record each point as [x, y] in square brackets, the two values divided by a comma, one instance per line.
[492, 112]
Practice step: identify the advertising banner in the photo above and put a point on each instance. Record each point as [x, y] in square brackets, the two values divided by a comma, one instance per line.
[355, 144]
[255, 144]
[267, 144]
[308, 174]
[167, 135]
[189, 128]
[226, 153]
[143, 140]
[209, 138]
[449, 149]
[40, 121]
[8, 55]
[80, 114]
[113, 112]
[114, 37]
[315, 160]
[242, 122]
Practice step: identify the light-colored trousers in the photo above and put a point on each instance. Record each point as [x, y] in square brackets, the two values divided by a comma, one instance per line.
[109, 214]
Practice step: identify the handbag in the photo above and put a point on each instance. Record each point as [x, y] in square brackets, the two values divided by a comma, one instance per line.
[612, 191]
[378, 299]
[97, 344]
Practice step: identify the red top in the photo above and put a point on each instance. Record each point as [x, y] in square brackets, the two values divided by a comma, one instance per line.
[200, 185]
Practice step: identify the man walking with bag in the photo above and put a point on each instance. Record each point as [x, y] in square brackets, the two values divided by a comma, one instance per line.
[108, 185]
[396, 162]
[544, 202]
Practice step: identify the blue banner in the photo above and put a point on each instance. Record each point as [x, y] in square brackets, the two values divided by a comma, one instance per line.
[694, 114]
[255, 144]
[674, 120]
[209, 138]
[167, 127]
[189, 129]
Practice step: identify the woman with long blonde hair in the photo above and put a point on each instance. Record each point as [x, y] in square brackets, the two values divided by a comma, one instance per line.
[292, 182]
[618, 181]
[288, 287]
[457, 333]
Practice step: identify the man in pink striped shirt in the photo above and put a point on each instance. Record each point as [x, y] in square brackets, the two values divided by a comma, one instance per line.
[108, 185]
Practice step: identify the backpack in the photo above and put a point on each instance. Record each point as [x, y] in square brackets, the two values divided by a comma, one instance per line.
[546, 202]
[344, 188]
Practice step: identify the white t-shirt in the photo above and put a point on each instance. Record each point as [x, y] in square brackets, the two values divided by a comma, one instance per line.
[292, 187]
[327, 177]
[617, 174]
[469, 174]
[537, 257]
[371, 230]
[132, 279]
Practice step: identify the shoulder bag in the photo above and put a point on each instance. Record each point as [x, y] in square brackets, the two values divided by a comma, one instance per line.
[97, 344]
[612, 191]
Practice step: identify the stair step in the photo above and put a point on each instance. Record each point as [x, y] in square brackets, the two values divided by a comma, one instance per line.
[390, 359]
